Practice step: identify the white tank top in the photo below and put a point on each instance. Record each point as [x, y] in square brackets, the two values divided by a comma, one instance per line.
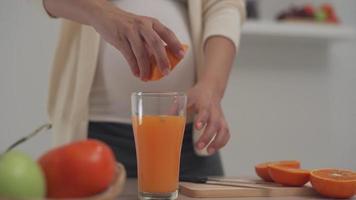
[114, 82]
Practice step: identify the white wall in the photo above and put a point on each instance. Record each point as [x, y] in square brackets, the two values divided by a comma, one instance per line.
[284, 101]
[293, 100]
[27, 41]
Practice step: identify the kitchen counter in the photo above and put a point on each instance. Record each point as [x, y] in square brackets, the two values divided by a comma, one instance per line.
[130, 193]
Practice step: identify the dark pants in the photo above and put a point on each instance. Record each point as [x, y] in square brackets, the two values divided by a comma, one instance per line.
[120, 138]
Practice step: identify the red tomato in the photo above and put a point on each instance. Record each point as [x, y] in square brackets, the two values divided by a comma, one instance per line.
[79, 169]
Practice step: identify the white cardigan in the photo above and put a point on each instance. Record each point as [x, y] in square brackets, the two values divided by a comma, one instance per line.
[75, 61]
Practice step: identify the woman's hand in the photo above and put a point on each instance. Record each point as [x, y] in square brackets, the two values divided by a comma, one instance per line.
[137, 38]
[204, 101]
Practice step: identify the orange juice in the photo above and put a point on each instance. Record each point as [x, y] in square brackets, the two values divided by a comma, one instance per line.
[158, 141]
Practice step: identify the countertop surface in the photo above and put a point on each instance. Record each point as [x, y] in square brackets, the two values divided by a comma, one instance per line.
[130, 192]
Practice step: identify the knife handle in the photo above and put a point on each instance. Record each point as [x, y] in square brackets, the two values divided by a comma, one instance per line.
[193, 179]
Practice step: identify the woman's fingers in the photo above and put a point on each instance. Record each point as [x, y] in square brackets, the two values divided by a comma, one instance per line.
[126, 50]
[220, 140]
[216, 134]
[210, 131]
[202, 118]
[141, 55]
[146, 36]
[157, 48]
[169, 38]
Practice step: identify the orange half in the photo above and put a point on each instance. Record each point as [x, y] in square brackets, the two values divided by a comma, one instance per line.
[262, 168]
[173, 60]
[334, 183]
[288, 176]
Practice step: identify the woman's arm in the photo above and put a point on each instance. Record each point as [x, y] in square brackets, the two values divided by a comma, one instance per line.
[133, 35]
[80, 11]
[219, 54]
[206, 96]
[222, 21]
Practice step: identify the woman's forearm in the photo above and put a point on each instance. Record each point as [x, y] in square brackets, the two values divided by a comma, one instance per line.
[81, 11]
[219, 54]
[133, 35]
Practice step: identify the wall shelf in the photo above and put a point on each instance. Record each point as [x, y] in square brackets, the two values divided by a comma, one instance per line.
[266, 30]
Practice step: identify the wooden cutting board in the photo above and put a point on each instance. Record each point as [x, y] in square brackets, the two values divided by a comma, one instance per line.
[217, 191]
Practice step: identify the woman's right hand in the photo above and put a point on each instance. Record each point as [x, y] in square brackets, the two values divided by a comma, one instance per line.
[137, 38]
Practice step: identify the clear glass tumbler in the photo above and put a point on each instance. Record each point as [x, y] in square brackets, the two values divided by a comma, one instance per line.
[158, 121]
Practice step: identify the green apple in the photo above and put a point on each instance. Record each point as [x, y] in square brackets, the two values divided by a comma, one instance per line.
[20, 176]
[320, 16]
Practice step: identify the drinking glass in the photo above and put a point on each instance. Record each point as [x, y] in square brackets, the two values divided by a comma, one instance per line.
[158, 121]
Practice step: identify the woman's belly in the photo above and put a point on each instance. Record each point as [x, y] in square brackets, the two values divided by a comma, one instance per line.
[114, 82]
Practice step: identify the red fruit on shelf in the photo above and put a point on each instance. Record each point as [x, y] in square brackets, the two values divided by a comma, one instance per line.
[309, 10]
[328, 9]
[333, 19]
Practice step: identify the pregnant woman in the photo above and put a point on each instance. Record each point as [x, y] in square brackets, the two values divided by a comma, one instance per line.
[103, 56]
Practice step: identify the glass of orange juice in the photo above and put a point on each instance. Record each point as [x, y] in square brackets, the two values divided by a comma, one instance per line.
[158, 121]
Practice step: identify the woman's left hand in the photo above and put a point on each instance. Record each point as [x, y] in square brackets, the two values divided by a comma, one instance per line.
[205, 102]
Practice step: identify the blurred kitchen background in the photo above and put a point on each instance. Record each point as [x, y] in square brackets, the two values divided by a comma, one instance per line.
[291, 95]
